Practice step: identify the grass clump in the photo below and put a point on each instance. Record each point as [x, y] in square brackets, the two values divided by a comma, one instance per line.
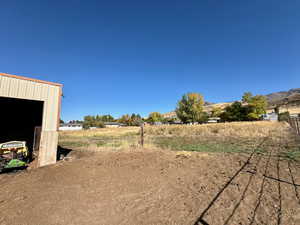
[292, 155]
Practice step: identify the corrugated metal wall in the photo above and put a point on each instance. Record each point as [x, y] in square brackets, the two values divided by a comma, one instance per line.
[24, 89]
[50, 94]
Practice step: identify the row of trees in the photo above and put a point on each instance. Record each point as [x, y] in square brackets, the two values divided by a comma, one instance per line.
[190, 109]
[96, 121]
[131, 120]
[249, 109]
[100, 120]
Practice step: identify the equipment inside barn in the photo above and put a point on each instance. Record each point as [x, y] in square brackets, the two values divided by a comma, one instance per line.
[13, 154]
[19, 119]
[29, 113]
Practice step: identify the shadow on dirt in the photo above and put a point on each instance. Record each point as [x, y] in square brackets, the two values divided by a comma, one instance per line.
[13, 170]
[62, 152]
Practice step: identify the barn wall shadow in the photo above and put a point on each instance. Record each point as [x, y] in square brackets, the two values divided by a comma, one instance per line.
[62, 152]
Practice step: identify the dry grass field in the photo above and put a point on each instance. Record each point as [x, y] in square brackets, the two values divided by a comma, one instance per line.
[240, 129]
[235, 137]
[124, 137]
[100, 139]
[233, 173]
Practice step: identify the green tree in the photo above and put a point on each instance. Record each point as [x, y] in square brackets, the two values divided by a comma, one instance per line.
[125, 119]
[203, 117]
[104, 118]
[253, 108]
[131, 120]
[136, 120]
[247, 97]
[285, 116]
[107, 118]
[234, 112]
[256, 105]
[92, 121]
[155, 117]
[190, 107]
[216, 112]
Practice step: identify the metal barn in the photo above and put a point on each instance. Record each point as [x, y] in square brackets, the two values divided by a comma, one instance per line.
[30, 111]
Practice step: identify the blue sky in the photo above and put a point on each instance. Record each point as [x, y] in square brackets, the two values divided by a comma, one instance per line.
[140, 56]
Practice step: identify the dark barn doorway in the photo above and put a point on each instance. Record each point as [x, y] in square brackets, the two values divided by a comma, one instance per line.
[18, 120]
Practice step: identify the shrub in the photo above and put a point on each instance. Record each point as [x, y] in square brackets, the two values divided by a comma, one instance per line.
[284, 116]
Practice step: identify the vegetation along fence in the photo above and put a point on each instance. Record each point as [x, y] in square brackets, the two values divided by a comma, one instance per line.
[295, 124]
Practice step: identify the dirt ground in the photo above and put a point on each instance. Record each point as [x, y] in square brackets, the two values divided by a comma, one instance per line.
[154, 187]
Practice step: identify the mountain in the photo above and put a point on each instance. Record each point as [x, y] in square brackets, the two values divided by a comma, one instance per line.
[292, 97]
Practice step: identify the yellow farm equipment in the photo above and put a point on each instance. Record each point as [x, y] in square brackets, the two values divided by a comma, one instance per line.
[13, 154]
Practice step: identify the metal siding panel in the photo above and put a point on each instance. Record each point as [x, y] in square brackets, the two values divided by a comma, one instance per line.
[51, 109]
[1, 78]
[31, 90]
[37, 91]
[17, 88]
[4, 91]
[23, 89]
[13, 89]
[56, 103]
[48, 148]
[46, 111]
[44, 96]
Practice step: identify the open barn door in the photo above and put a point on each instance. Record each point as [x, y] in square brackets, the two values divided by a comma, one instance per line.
[19, 120]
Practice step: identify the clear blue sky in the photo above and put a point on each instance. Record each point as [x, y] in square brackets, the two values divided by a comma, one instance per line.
[140, 56]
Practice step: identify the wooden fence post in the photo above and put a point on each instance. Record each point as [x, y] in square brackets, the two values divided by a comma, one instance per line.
[142, 134]
[298, 126]
[295, 124]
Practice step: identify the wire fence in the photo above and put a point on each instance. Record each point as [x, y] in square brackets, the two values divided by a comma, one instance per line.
[295, 124]
[280, 165]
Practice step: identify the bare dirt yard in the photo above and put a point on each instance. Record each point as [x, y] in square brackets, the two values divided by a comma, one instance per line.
[260, 185]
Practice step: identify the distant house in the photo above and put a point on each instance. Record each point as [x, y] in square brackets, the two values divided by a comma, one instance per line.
[176, 122]
[213, 120]
[70, 126]
[270, 116]
[113, 124]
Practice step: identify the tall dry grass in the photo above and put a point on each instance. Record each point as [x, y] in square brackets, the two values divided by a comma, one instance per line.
[226, 137]
[234, 129]
[112, 132]
[100, 139]
[221, 137]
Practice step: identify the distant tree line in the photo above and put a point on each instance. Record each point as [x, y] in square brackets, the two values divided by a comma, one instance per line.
[96, 121]
[190, 109]
[100, 120]
[131, 120]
